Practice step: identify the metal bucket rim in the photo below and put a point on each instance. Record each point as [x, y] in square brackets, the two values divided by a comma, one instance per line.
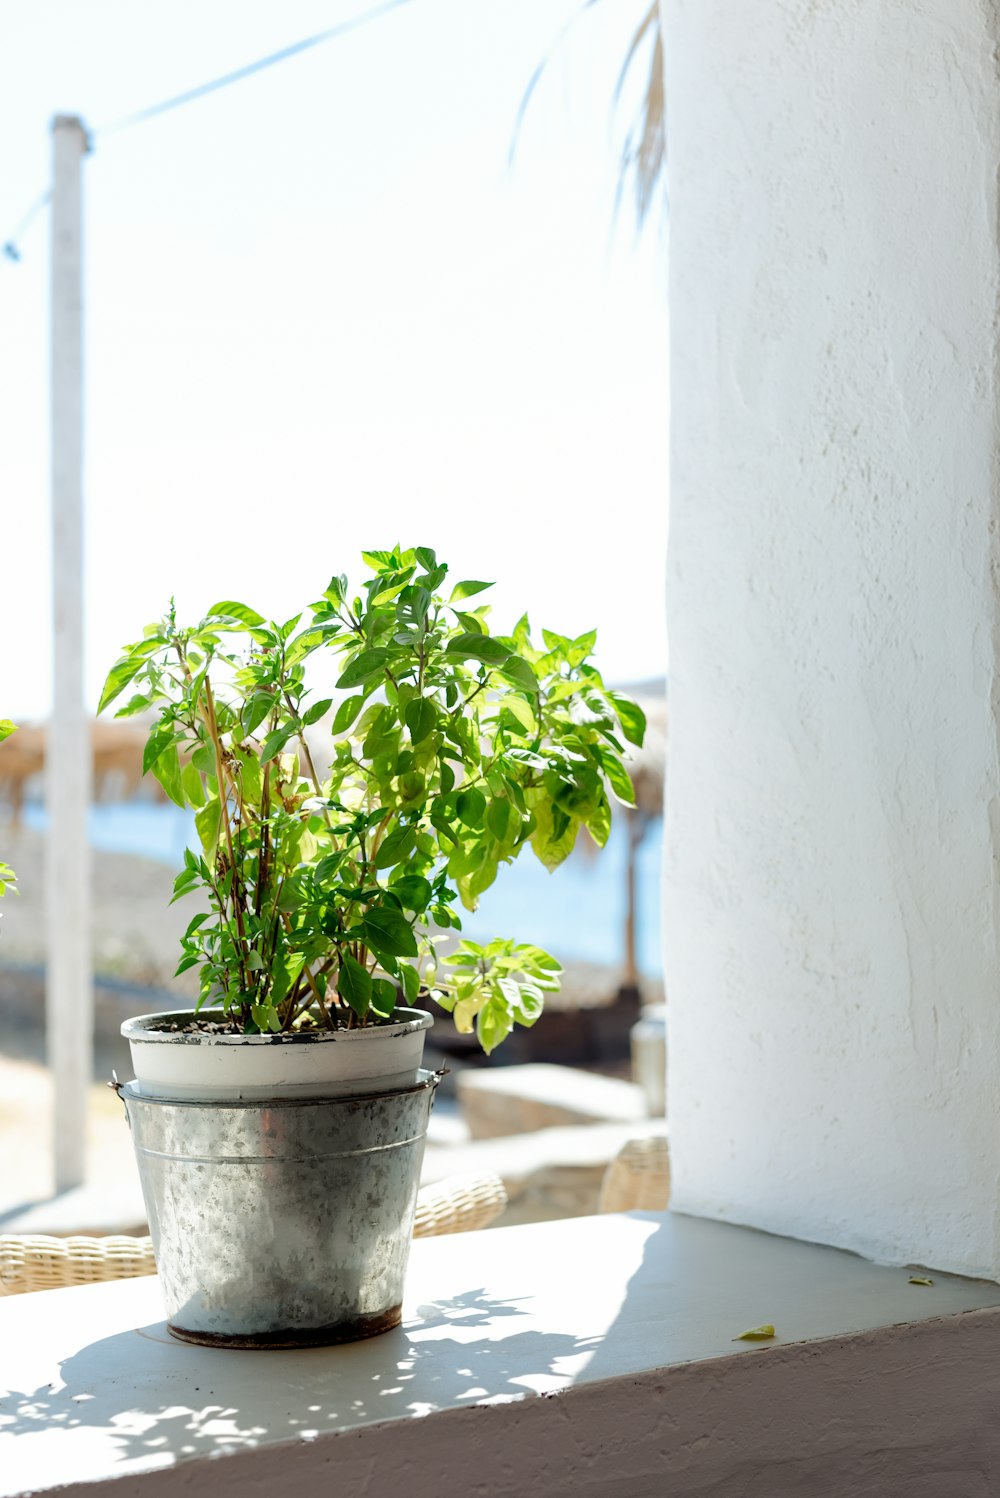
[426, 1079]
[137, 1029]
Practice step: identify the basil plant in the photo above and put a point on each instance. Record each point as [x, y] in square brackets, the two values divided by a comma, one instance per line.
[331, 878]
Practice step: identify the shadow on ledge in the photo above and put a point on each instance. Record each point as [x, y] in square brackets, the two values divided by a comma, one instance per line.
[162, 1401]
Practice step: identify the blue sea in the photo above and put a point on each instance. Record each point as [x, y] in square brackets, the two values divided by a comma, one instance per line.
[578, 912]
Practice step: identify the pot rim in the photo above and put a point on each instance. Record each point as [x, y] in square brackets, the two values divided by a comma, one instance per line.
[137, 1029]
[425, 1078]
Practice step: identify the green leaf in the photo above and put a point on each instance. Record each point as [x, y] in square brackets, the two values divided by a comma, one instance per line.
[426, 557]
[493, 1025]
[304, 644]
[251, 778]
[168, 772]
[413, 891]
[470, 806]
[498, 818]
[530, 1005]
[553, 838]
[208, 822]
[396, 847]
[6, 729]
[383, 996]
[581, 647]
[365, 665]
[328, 867]
[389, 931]
[631, 717]
[413, 605]
[421, 719]
[479, 881]
[185, 881]
[599, 822]
[346, 713]
[152, 638]
[410, 979]
[229, 609]
[756, 1333]
[317, 711]
[517, 671]
[264, 1018]
[290, 897]
[471, 623]
[284, 973]
[136, 704]
[203, 759]
[354, 985]
[467, 589]
[157, 744]
[194, 791]
[274, 743]
[388, 594]
[618, 776]
[124, 671]
[411, 786]
[920, 1279]
[521, 710]
[480, 647]
[538, 958]
[256, 710]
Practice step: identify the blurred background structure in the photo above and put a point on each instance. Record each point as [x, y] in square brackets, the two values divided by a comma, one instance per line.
[406, 283]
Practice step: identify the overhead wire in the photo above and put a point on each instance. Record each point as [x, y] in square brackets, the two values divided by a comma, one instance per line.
[11, 249]
[177, 101]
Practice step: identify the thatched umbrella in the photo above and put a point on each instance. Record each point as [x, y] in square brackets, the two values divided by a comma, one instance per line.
[117, 768]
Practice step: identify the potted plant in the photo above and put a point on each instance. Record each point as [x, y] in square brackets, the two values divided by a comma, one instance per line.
[330, 881]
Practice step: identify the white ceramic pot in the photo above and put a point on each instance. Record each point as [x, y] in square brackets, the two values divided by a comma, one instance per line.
[231, 1068]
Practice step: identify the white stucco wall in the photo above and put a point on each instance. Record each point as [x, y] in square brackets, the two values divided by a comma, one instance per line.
[833, 814]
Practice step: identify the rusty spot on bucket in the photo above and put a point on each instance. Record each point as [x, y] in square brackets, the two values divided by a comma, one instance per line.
[353, 1330]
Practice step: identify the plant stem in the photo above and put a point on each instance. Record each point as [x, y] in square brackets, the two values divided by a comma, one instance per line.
[307, 756]
[265, 840]
[377, 841]
[213, 728]
[307, 975]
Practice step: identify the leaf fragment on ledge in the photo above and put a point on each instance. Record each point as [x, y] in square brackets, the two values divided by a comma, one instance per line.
[755, 1334]
[920, 1279]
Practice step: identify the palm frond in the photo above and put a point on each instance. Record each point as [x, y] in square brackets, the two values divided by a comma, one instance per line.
[644, 153]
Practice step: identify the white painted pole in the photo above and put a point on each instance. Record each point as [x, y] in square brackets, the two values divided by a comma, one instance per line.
[69, 989]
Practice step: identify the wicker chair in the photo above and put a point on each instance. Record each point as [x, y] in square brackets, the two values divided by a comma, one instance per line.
[457, 1205]
[638, 1179]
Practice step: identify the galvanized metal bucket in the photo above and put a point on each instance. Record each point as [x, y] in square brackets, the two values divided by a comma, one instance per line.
[284, 1223]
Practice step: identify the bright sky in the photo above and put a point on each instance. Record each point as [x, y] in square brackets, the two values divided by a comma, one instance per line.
[323, 313]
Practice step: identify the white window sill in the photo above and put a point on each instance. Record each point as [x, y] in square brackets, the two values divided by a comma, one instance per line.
[628, 1320]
